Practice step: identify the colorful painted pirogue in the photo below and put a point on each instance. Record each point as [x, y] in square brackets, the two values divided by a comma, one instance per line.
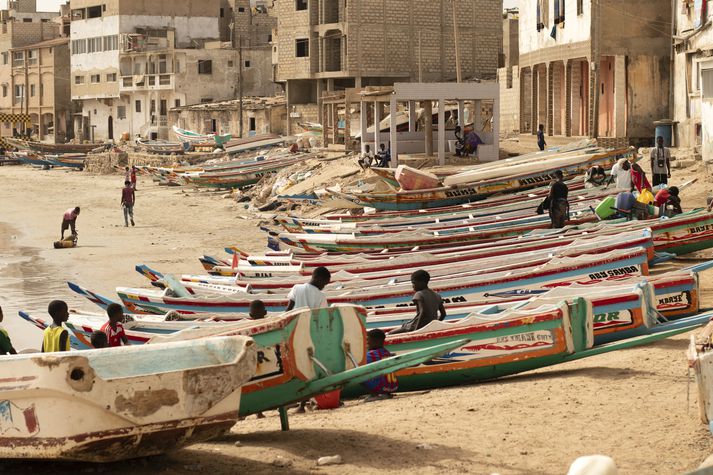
[523, 341]
[246, 175]
[457, 288]
[503, 182]
[303, 353]
[119, 403]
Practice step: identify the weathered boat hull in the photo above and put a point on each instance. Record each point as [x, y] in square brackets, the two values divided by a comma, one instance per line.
[119, 403]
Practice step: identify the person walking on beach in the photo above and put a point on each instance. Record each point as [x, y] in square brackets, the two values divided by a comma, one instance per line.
[660, 163]
[541, 137]
[69, 221]
[558, 204]
[128, 198]
[114, 329]
[127, 174]
[132, 177]
[310, 295]
[385, 385]
[5, 343]
[56, 337]
[428, 304]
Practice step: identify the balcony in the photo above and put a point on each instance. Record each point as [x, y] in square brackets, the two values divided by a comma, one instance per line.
[147, 82]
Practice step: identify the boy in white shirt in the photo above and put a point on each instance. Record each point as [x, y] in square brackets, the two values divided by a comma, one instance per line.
[310, 295]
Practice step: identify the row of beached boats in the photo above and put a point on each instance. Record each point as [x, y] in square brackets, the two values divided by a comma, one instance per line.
[518, 296]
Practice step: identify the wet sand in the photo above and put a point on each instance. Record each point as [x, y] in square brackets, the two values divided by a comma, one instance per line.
[632, 405]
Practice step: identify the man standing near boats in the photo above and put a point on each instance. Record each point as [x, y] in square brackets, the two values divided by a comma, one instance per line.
[310, 295]
[128, 198]
[559, 206]
[660, 163]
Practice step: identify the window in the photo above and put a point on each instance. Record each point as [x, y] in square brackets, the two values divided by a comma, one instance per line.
[300, 5]
[4, 90]
[27, 20]
[543, 14]
[18, 58]
[79, 46]
[162, 64]
[138, 106]
[559, 11]
[241, 9]
[32, 56]
[580, 7]
[111, 43]
[269, 38]
[19, 91]
[247, 64]
[152, 110]
[177, 103]
[205, 66]
[121, 112]
[5, 57]
[78, 79]
[111, 77]
[252, 123]
[707, 83]
[32, 90]
[95, 78]
[206, 100]
[230, 64]
[94, 45]
[222, 13]
[302, 48]
[94, 12]
[163, 107]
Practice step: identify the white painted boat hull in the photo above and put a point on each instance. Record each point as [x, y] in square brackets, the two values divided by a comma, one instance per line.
[119, 403]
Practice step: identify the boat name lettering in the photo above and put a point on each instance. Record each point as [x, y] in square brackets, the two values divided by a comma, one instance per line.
[672, 299]
[606, 317]
[614, 272]
[536, 179]
[524, 337]
[700, 229]
[456, 193]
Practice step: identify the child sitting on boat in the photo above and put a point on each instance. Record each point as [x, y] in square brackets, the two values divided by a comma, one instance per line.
[5, 343]
[257, 310]
[56, 337]
[385, 385]
[99, 340]
[428, 304]
[113, 328]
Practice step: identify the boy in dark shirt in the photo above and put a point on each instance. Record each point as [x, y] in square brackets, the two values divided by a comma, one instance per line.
[6, 347]
[428, 304]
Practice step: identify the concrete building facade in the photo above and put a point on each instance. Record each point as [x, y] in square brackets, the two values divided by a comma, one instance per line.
[132, 61]
[324, 46]
[693, 79]
[597, 68]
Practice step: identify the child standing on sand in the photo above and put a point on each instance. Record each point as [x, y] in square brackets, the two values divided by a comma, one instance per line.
[5, 343]
[382, 386]
[113, 328]
[56, 337]
[428, 304]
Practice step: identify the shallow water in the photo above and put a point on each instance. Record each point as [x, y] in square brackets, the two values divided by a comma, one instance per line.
[28, 282]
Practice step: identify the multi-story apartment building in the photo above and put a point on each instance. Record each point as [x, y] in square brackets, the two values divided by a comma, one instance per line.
[133, 60]
[329, 45]
[24, 70]
[597, 68]
[39, 86]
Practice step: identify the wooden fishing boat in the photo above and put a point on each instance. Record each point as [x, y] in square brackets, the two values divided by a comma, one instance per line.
[119, 403]
[463, 288]
[300, 354]
[700, 359]
[524, 341]
[67, 160]
[194, 137]
[56, 148]
[243, 176]
[160, 147]
[461, 193]
[31, 158]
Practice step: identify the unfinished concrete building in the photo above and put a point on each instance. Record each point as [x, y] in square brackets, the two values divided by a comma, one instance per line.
[324, 46]
[509, 74]
[594, 68]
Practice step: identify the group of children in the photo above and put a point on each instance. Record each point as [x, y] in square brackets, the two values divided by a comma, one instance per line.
[429, 307]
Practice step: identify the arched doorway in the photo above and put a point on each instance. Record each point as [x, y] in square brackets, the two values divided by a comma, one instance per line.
[110, 128]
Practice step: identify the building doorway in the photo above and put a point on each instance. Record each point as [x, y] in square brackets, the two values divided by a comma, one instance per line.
[110, 128]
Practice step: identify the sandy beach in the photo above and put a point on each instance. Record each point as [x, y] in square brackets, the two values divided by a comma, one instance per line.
[632, 405]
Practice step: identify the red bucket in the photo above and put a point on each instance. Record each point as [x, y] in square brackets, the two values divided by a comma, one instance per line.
[329, 400]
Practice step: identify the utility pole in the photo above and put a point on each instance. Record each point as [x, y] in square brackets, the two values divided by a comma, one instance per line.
[456, 40]
[240, 79]
[420, 58]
